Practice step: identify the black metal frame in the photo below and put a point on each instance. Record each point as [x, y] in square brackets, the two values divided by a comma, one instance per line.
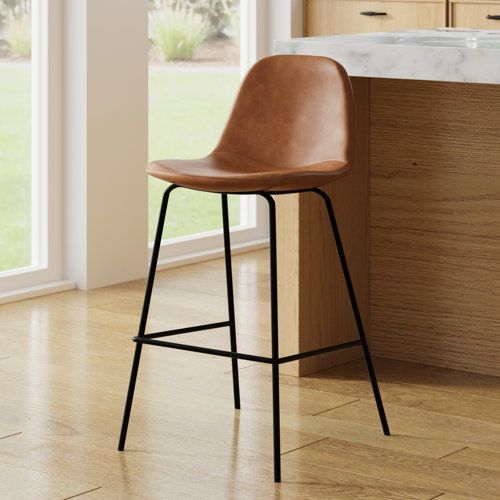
[150, 338]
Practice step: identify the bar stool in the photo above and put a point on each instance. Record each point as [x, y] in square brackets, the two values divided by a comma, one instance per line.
[290, 131]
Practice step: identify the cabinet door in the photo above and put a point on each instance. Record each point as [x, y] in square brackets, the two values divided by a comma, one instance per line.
[475, 14]
[336, 17]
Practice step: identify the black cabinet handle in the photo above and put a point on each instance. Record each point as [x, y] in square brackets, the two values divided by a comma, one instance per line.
[372, 13]
[495, 18]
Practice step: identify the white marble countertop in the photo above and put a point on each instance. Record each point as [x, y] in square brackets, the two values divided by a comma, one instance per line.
[447, 54]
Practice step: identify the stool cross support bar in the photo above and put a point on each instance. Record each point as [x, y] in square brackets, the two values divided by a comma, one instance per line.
[149, 339]
[188, 329]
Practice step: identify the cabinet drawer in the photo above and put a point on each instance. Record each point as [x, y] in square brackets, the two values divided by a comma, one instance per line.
[472, 14]
[336, 17]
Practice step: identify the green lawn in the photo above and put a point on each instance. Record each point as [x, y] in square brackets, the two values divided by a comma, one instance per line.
[186, 115]
[187, 112]
[15, 168]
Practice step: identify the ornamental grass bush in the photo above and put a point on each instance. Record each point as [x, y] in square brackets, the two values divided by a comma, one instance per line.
[217, 13]
[15, 27]
[18, 34]
[178, 32]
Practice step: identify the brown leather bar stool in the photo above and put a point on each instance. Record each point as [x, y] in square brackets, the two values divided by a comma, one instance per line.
[290, 131]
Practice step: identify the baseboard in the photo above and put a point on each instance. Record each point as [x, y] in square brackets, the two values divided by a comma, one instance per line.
[36, 291]
[183, 260]
[213, 253]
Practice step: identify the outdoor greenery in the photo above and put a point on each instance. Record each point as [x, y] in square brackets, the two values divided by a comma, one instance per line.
[178, 32]
[18, 34]
[14, 6]
[219, 14]
[187, 113]
[15, 167]
[15, 27]
[235, 28]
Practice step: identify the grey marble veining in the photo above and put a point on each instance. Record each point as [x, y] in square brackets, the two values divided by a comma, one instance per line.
[448, 55]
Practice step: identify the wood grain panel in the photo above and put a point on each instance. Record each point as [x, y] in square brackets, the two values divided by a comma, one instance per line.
[472, 14]
[431, 474]
[314, 306]
[435, 223]
[484, 459]
[337, 17]
[463, 432]
[288, 252]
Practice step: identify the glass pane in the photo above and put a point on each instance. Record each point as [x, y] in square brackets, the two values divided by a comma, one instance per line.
[194, 73]
[15, 134]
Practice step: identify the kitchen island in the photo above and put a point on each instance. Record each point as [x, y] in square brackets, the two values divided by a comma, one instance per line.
[419, 213]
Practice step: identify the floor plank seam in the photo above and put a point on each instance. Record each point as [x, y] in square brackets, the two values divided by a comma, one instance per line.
[434, 412]
[442, 389]
[10, 435]
[83, 493]
[305, 446]
[335, 407]
[453, 452]
[365, 475]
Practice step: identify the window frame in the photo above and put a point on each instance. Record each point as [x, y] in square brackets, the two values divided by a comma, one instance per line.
[46, 148]
[252, 234]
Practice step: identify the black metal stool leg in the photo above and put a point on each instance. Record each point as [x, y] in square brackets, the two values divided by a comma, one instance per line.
[355, 309]
[144, 316]
[274, 339]
[230, 299]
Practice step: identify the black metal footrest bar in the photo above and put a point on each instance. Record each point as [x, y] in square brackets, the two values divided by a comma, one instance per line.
[237, 355]
[189, 329]
[317, 352]
[205, 350]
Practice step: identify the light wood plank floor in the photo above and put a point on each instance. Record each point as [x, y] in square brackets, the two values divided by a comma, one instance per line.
[64, 367]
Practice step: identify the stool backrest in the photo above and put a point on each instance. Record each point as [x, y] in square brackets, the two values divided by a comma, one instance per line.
[292, 110]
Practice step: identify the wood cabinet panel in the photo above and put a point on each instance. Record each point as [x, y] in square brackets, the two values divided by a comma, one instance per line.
[435, 223]
[336, 17]
[474, 14]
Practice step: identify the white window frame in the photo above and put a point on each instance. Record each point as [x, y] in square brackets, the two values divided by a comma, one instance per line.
[252, 233]
[46, 269]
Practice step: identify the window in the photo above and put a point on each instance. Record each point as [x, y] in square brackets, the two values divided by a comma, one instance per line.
[29, 163]
[196, 50]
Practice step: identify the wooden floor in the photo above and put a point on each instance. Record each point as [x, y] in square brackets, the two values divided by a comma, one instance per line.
[64, 367]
